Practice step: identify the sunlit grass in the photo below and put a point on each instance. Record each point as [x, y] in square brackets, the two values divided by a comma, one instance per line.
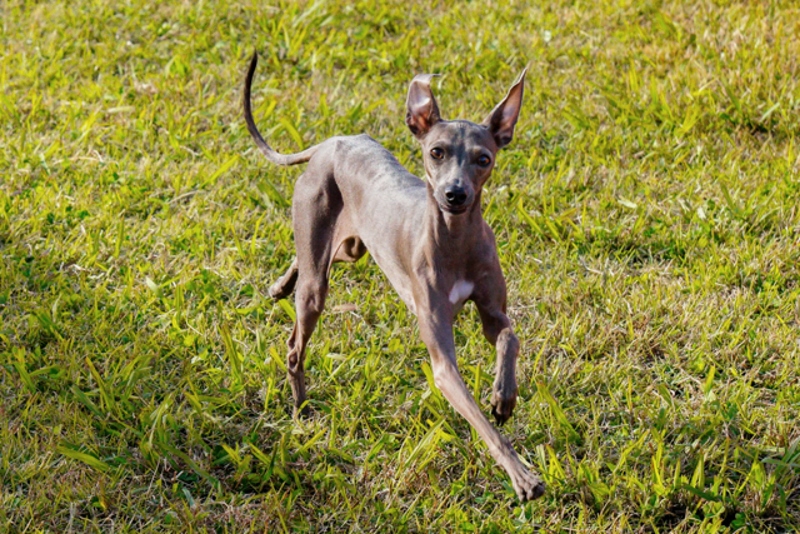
[647, 220]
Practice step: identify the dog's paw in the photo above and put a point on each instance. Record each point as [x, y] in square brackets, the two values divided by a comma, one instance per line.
[503, 403]
[303, 411]
[279, 291]
[528, 487]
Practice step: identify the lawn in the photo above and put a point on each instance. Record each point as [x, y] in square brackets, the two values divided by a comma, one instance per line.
[648, 221]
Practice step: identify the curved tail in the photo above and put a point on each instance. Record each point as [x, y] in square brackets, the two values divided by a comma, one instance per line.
[274, 157]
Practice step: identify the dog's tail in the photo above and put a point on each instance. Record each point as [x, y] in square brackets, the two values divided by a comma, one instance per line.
[272, 155]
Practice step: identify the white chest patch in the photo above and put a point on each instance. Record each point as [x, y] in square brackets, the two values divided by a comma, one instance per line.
[461, 290]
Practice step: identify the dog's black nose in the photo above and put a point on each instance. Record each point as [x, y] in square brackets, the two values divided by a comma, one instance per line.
[456, 196]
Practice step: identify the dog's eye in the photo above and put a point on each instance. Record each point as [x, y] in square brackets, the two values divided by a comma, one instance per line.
[437, 153]
[484, 161]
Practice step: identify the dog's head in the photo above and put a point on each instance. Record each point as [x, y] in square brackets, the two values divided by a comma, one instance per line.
[459, 155]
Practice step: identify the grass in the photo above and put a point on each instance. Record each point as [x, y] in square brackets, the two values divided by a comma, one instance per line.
[647, 220]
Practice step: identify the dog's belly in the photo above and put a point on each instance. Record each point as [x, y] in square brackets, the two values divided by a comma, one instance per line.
[384, 206]
[397, 277]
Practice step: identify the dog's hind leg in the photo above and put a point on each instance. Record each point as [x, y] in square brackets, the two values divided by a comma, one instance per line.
[309, 302]
[317, 205]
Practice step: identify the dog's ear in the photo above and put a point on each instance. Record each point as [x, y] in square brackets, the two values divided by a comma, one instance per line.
[503, 118]
[421, 109]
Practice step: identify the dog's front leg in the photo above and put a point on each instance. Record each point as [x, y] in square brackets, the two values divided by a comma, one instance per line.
[490, 298]
[497, 329]
[436, 329]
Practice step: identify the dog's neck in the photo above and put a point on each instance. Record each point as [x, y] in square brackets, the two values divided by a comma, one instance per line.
[449, 236]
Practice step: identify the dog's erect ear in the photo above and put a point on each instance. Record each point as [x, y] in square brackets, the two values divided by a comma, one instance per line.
[421, 109]
[503, 118]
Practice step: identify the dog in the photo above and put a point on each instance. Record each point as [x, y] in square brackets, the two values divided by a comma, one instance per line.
[428, 236]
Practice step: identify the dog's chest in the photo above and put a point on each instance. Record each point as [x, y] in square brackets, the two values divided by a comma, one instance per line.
[461, 291]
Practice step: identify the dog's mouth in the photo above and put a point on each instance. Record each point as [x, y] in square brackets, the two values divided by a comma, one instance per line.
[454, 210]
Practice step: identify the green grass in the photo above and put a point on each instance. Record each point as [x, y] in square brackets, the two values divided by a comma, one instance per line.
[647, 219]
